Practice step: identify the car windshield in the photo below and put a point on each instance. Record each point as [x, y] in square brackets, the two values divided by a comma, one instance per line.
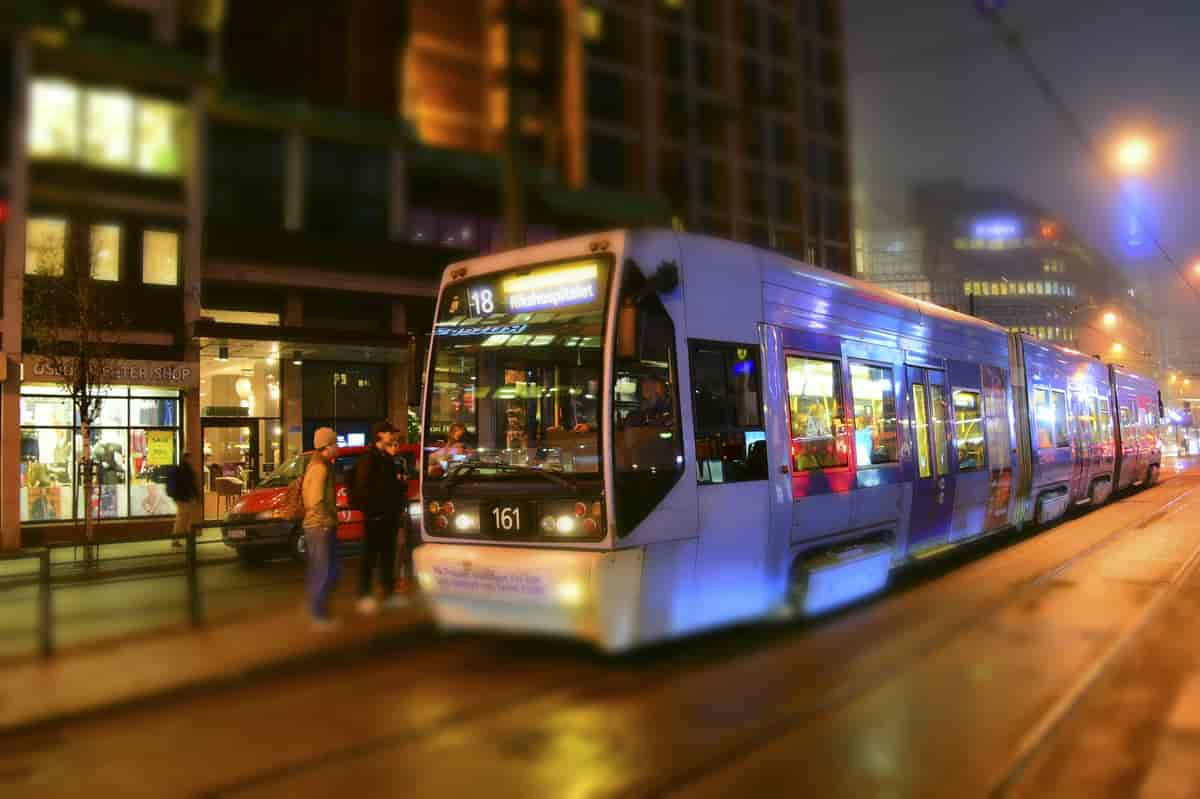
[516, 372]
[288, 471]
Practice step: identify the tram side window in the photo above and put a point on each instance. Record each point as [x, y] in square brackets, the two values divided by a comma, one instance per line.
[815, 408]
[731, 445]
[1106, 428]
[1062, 438]
[1043, 415]
[647, 448]
[968, 430]
[874, 391]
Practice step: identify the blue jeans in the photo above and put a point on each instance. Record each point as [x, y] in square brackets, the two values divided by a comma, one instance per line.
[322, 568]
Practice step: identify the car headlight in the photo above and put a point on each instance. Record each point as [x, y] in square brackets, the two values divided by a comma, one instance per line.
[414, 510]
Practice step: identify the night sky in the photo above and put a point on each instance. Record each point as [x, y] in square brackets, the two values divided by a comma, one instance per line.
[935, 95]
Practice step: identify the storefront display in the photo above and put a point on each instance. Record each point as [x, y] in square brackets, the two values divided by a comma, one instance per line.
[134, 440]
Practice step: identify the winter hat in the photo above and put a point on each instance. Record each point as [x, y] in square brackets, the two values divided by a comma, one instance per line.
[324, 437]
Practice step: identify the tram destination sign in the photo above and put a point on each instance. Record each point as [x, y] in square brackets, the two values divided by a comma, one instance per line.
[117, 371]
[543, 289]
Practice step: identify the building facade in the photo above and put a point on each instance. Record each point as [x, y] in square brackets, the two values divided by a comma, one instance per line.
[994, 254]
[734, 110]
[265, 192]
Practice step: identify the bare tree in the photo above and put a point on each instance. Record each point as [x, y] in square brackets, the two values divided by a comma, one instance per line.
[75, 329]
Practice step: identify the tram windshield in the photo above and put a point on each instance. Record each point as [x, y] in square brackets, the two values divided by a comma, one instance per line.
[516, 373]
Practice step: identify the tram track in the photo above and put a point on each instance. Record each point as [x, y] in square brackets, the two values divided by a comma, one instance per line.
[861, 684]
[506, 704]
[544, 707]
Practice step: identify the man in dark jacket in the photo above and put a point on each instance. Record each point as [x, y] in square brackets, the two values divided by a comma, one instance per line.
[381, 498]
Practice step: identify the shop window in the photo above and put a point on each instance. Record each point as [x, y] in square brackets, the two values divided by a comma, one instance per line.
[731, 443]
[968, 430]
[874, 391]
[131, 462]
[815, 405]
[160, 258]
[54, 119]
[647, 447]
[45, 247]
[108, 128]
[105, 254]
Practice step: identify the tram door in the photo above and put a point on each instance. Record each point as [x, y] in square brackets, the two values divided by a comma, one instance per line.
[932, 478]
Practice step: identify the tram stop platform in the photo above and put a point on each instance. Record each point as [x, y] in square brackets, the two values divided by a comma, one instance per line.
[172, 663]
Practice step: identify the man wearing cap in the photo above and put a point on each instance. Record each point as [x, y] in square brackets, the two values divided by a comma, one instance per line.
[320, 526]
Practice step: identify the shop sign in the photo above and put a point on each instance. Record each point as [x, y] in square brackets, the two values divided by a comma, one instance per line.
[160, 447]
[117, 372]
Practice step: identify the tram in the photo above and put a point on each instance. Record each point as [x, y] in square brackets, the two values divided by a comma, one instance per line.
[641, 434]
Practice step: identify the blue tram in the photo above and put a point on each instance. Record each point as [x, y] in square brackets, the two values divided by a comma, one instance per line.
[639, 434]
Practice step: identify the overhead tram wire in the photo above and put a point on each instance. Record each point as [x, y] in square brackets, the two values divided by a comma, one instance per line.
[1014, 41]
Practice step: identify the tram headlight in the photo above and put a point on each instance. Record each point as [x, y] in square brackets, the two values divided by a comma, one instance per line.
[414, 510]
[464, 522]
[571, 519]
[570, 592]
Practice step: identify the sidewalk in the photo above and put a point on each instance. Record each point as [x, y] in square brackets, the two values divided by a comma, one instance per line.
[76, 685]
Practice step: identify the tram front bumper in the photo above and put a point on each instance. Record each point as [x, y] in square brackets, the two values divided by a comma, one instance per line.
[559, 592]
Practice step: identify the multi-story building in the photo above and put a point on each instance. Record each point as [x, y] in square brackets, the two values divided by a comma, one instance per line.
[993, 254]
[270, 190]
[735, 110]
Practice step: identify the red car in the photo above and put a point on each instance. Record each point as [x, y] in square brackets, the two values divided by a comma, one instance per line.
[266, 534]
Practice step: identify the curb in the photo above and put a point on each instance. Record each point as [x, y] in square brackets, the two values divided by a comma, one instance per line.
[419, 630]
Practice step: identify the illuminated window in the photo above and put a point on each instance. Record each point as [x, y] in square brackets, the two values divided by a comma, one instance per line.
[591, 23]
[1061, 437]
[108, 128]
[45, 247]
[160, 258]
[967, 287]
[814, 399]
[961, 244]
[54, 121]
[1043, 411]
[968, 430]
[875, 438]
[105, 253]
[498, 107]
[161, 137]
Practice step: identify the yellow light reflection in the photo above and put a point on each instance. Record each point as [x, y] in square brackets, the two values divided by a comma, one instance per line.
[550, 279]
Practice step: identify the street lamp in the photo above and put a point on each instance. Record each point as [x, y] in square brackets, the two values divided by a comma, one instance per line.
[1109, 319]
[1118, 348]
[1134, 154]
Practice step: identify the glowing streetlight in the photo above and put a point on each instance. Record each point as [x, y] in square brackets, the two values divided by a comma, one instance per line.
[1109, 319]
[1174, 378]
[1196, 268]
[1134, 154]
[1118, 348]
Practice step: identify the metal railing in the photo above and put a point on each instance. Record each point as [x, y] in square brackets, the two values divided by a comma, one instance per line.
[45, 581]
[191, 571]
[45, 603]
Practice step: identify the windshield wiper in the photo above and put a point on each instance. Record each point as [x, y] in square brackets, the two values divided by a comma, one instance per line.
[459, 473]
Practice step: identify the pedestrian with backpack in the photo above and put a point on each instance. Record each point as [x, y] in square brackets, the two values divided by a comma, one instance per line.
[380, 497]
[184, 490]
[320, 526]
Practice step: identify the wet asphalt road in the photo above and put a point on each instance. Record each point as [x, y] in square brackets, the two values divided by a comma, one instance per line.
[955, 683]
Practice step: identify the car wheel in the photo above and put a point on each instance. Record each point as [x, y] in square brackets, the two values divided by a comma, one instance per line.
[298, 546]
